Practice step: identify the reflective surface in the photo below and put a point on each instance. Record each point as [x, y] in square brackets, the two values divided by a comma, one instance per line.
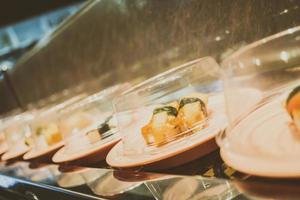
[211, 180]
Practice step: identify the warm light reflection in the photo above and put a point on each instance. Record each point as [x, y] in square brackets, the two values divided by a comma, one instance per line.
[218, 38]
[257, 61]
[241, 65]
[284, 56]
[291, 30]
[284, 11]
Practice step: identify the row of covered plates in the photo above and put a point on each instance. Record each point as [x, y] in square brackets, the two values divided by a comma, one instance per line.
[175, 117]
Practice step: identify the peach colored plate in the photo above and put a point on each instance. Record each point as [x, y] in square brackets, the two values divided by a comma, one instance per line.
[12, 154]
[95, 153]
[167, 159]
[35, 154]
[175, 153]
[264, 143]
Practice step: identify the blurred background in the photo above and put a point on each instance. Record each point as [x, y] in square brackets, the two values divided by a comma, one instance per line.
[24, 25]
[65, 47]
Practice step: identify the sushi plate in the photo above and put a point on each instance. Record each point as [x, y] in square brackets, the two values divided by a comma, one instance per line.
[92, 154]
[43, 153]
[267, 147]
[178, 152]
[14, 154]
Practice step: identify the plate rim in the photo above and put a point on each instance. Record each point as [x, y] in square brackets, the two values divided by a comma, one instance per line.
[57, 156]
[6, 156]
[256, 171]
[32, 153]
[115, 153]
[258, 166]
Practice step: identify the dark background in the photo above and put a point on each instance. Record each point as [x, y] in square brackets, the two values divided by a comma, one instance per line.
[13, 11]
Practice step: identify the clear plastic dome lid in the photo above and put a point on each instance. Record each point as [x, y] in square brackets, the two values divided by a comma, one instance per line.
[90, 122]
[45, 129]
[179, 105]
[15, 129]
[261, 84]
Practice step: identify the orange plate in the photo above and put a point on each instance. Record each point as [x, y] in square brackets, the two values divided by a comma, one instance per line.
[9, 155]
[174, 154]
[266, 147]
[37, 154]
[91, 155]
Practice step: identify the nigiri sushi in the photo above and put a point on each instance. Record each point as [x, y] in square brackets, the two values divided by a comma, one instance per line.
[192, 110]
[293, 106]
[163, 125]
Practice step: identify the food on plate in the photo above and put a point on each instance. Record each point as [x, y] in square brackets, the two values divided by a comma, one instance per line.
[293, 106]
[29, 141]
[175, 119]
[163, 125]
[3, 144]
[2, 138]
[192, 110]
[93, 136]
[50, 133]
[102, 131]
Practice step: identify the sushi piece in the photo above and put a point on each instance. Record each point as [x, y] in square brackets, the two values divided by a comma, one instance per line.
[29, 141]
[293, 106]
[51, 133]
[163, 125]
[93, 136]
[102, 131]
[192, 111]
[106, 125]
[174, 120]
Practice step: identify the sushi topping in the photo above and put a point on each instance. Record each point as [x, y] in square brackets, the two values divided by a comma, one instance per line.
[293, 106]
[105, 127]
[186, 101]
[94, 136]
[50, 132]
[101, 132]
[292, 94]
[168, 109]
[175, 120]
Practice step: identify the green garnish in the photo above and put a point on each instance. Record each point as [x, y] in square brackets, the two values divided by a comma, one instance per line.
[104, 127]
[39, 131]
[26, 143]
[169, 109]
[293, 93]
